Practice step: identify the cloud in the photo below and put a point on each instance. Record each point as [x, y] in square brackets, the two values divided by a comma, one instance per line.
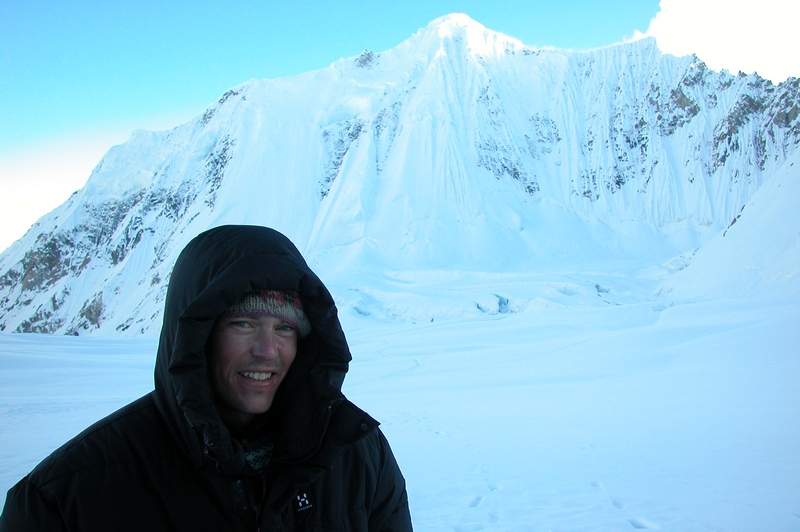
[737, 35]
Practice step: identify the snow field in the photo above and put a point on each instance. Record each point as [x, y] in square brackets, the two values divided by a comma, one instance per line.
[594, 417]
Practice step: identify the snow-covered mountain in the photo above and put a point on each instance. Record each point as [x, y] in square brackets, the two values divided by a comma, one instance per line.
[459, 150]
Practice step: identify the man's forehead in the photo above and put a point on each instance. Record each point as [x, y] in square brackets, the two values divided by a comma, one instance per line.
[253, 315]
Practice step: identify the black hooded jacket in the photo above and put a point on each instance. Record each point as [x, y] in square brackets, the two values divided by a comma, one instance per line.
[168, 462]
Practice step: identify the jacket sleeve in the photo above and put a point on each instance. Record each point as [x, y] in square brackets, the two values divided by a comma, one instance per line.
[27, 511]
[390, 511]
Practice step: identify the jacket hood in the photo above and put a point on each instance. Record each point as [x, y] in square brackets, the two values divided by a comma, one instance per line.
[211, 273]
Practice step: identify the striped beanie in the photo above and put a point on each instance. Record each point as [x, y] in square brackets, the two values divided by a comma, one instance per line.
[285, 305]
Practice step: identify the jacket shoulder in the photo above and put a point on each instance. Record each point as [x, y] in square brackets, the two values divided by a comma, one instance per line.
[133, 433]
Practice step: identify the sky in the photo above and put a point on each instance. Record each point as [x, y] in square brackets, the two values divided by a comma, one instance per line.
[78, 76]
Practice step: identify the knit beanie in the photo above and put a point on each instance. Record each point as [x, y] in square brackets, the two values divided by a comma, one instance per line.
[284, 305]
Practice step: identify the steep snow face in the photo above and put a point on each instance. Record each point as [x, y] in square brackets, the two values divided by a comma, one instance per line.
[460, 149]
[758, 253]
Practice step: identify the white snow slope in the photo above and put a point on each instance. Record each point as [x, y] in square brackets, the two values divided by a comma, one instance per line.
[460, 149]
[579, 418]
[759, 253]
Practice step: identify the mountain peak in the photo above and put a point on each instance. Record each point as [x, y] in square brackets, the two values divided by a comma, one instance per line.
[476, 37]
[456, 20]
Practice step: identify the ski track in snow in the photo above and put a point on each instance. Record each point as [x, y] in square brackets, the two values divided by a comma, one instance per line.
[602, 418]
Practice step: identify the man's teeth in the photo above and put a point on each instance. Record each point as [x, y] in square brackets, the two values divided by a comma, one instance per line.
[256, 375]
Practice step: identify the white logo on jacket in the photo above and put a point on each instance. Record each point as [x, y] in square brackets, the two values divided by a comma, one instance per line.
[303, 503]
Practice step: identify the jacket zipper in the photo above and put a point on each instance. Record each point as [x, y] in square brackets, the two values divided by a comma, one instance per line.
[256, 504]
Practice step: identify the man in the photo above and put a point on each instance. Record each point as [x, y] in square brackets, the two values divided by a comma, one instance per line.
[247, 428]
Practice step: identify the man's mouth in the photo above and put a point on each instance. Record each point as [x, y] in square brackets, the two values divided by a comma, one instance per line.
[256, 375]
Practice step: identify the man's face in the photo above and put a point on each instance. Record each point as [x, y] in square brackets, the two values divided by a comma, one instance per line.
[248, 357]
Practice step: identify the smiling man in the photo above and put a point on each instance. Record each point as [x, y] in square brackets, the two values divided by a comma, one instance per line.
[250, 350]
[247, 428]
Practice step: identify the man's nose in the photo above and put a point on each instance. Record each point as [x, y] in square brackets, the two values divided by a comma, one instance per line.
[265, 344]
